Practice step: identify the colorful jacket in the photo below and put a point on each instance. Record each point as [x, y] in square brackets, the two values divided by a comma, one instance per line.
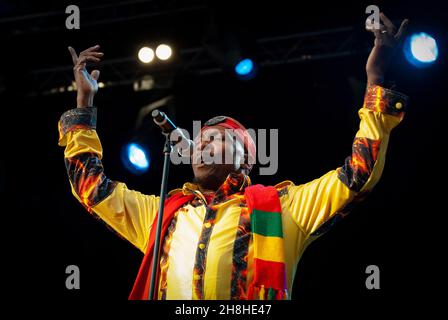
[208, 249]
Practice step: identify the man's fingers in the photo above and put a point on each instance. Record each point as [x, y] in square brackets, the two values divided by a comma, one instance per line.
[389, 25]
[80, 67]
[91, 56]
[402, 29]
[95, 74]
[91, 49]
[73, 54]
[96, 54]
[82, 63]
[87, 55]
[85, 58]
[377, 33]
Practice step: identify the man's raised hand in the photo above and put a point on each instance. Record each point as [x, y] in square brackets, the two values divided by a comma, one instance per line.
[387, 39]
[86, 83]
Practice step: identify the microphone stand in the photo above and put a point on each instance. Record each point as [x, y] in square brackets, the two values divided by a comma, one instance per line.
[155, 257]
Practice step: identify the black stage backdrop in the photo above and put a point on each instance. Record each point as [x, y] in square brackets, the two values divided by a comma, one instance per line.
[314, 105]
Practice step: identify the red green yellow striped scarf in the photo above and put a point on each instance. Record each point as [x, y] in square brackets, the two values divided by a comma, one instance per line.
[269, 275]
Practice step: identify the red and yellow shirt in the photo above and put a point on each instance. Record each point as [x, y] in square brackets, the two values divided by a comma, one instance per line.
[207, 251]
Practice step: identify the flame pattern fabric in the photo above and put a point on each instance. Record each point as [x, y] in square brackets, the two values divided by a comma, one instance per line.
[386, 101]
[223, 267]
[86, 174]
[240, 257]
[85, 170]
[359, 166]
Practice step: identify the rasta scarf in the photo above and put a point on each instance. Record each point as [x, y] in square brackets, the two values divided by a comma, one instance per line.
[269, 280]
[269, 269]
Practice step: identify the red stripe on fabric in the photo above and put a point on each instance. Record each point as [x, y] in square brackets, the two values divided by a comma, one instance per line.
[140, 290]
[271, 274]
[266, 198]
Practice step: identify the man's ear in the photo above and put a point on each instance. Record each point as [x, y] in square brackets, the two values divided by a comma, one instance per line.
[245, 168]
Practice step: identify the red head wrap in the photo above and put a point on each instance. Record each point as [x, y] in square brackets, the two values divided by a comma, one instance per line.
[240, 132]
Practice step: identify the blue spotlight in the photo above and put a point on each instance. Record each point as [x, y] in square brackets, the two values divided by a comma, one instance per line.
[245, 68]
[135, 158]
[421, 49]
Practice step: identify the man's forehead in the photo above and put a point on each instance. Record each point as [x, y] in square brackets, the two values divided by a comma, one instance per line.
[211, 130]
[214, 130]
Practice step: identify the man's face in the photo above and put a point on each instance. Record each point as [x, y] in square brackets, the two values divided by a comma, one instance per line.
[215, 156]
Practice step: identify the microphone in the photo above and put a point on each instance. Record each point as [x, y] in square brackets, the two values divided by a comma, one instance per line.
[183, 145]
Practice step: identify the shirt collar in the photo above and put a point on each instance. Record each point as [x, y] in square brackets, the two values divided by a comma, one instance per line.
[234, 184]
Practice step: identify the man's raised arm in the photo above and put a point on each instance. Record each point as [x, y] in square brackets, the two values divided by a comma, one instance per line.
[128, 212]
[314, 206]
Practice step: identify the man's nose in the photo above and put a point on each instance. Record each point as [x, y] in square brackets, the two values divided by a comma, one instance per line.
[203, 143]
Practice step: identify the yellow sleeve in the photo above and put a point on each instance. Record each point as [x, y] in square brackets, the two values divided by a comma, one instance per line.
[128, 212]
[316, 205]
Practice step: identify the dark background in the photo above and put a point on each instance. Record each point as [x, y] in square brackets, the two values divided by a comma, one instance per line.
[313, 104]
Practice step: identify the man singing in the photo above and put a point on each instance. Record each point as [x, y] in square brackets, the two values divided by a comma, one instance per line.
[222, 237]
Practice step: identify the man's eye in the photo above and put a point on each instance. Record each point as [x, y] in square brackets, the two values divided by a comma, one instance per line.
[217, 138]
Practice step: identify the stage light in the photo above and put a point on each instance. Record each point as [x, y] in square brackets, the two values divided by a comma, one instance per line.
[164, 52]
[101, 84]
[421, 49]
[146, 55]
[136, 158]
[244, 67]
